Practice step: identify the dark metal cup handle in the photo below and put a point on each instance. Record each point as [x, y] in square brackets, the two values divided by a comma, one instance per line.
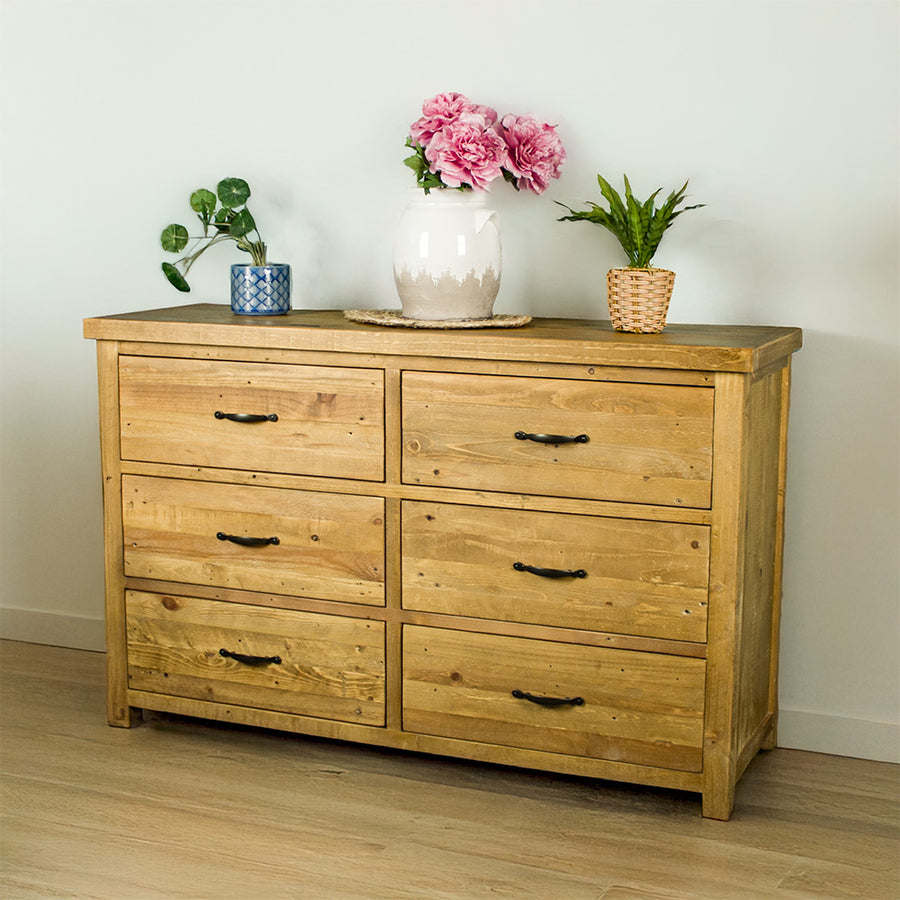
[550, 573]
[250, 660]
[552, 438]
[245, 417]
[246, 541]
[548, 701]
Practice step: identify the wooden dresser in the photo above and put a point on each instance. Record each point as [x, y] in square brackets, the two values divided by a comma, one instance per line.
[555, 546]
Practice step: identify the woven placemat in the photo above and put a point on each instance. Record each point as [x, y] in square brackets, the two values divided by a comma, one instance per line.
[393, 318]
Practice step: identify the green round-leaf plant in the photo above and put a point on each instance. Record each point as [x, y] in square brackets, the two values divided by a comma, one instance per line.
[174, 238]
[233, 192]
[203, 202]
[175, 277]
[242, 224]
[230, 219]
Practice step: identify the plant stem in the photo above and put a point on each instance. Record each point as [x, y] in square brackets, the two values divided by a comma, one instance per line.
[188, 261]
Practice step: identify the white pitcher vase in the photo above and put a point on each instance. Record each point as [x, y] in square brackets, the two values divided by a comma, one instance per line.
[447, 256]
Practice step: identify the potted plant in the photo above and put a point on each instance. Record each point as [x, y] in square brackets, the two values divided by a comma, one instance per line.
[261, 288]
[447, 253]
[638, 295]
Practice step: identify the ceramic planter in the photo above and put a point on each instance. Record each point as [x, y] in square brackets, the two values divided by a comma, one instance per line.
[260, 290]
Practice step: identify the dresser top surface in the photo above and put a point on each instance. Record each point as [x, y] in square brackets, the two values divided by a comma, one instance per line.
[724, 348]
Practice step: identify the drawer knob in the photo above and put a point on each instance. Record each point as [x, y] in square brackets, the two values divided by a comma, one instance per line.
[250, 660]
[550, 573]
[552, 438]
[245, 417]
[548, 701]
[246, 541]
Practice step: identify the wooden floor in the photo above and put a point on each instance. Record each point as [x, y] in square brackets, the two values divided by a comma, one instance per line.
[184, 809]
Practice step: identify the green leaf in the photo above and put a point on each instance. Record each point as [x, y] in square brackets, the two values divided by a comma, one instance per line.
[647, 211]
[233, 192]
[638, 226]
[425, 178]
[654, 235]
[174, 238]
[176, 279]
[429, 180]
[222, 220]
[203, 202]
[635, 227]
[242, 224]
[415, 163]
[616, 207]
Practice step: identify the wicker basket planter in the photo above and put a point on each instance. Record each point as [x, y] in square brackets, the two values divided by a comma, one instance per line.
[639, 298]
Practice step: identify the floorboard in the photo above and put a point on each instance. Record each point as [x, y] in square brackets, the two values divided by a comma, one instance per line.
[179, 808]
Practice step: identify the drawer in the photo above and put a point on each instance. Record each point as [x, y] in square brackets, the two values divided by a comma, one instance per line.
[627, 576]
[330, 667]
[303, 543]
[642, 443]
[642, 708]
[304, 420]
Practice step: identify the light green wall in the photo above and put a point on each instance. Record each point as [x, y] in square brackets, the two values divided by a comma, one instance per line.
[783, 114]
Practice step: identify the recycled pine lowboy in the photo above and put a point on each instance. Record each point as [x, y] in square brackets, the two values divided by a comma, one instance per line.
[556, 546]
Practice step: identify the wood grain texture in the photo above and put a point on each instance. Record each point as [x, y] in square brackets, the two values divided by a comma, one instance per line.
[638, 708]
[415, 362]
[331, 667]
[399, 507]
[778, 564]
[726, 582]
[117, 710]
[331, 547]
[642, 578]
[329, 419]
[737, 348]
[761, 536]
[646, 443]
[575, 505]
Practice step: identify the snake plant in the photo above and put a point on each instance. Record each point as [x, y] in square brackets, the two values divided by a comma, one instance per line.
[638, 226]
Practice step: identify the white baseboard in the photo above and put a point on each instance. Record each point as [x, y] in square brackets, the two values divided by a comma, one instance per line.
[839, 735]
[797, 729]
[34, 626]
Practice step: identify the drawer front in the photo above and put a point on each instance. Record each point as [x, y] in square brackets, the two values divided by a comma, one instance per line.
[626, 576]
[644, 443]
[330, 667]
[329, 421]
[327, 546]
[642, 708]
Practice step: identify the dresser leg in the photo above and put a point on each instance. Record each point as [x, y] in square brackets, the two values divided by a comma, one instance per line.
[125, 717]
[770, 740]
[718, 803]
[118, 713]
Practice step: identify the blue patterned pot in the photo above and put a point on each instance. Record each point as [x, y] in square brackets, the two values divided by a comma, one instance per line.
[260, 290]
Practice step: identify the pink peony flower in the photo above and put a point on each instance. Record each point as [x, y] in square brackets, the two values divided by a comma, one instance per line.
[443, 109]
[469, 151]
[535, 152]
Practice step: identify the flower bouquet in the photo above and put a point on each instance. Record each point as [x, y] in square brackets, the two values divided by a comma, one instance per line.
[465, 145]
[447, 252]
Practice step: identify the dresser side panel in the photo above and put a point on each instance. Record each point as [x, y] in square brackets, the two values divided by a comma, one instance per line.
[726, 581]
[117, 709]
[757, 650]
